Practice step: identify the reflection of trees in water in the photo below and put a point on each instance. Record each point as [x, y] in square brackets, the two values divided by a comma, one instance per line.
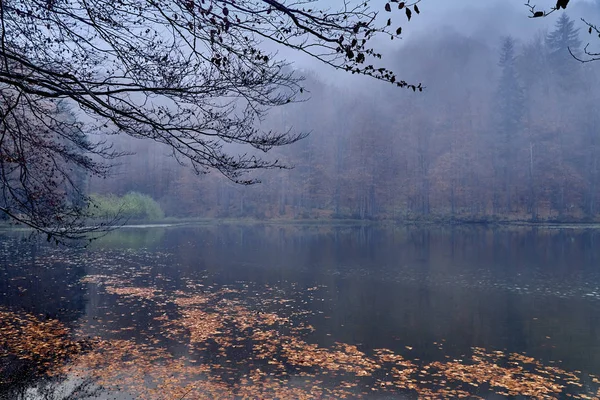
[498, 287]
[133, 238]
[41, 279]
[214, 321]
[374, 246]
[416, 283]
[28, 386]
[32, 348]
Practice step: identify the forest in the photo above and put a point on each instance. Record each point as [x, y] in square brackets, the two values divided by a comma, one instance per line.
[504, 130]
[299, 199]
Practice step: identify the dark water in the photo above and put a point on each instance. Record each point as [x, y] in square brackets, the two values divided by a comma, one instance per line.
[517, 290]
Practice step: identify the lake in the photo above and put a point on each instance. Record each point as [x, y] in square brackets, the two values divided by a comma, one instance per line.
[301, 312]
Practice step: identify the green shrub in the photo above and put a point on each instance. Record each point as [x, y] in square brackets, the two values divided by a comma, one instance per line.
[133, 205]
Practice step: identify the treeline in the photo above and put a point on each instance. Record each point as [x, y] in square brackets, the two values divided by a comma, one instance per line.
[505, 131]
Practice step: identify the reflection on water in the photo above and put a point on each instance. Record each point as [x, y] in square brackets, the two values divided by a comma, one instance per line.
[305, 311]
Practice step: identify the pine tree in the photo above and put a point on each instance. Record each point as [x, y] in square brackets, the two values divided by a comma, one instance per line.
[509, 99]
[560, 43]
[563, 38]
[508, 119]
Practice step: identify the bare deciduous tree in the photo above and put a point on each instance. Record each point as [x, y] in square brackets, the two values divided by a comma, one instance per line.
[191, 74]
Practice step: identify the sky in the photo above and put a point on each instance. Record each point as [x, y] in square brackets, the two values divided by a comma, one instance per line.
[486, 20]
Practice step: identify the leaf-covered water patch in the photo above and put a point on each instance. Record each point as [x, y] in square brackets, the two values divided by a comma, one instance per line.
[251, 341]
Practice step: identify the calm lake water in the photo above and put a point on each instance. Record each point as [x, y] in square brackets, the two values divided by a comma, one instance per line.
[303, 312]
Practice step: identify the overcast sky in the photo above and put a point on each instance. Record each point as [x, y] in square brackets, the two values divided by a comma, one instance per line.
[486, 20]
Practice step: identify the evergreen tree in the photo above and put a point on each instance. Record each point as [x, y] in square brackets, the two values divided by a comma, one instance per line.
[508, 120]
[560, 43]
[510, 101]
[563, 38]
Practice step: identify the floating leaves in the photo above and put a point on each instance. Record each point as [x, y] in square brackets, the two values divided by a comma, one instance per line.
[45, 344]
[145, 293]
[254, 342]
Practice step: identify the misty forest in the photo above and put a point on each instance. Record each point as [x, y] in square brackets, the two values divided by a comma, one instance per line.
[506, 130]
[299, 199]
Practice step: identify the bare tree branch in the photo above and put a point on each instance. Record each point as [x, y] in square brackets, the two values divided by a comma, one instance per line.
[592, 29]
[193, 75]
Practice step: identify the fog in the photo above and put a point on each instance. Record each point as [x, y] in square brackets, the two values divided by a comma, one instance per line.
[437, 243]
[485, 140]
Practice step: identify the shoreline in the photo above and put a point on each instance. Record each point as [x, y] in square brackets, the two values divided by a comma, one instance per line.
[177, 222]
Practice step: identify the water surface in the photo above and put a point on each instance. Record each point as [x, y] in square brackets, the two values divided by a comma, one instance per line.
[304, 311]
